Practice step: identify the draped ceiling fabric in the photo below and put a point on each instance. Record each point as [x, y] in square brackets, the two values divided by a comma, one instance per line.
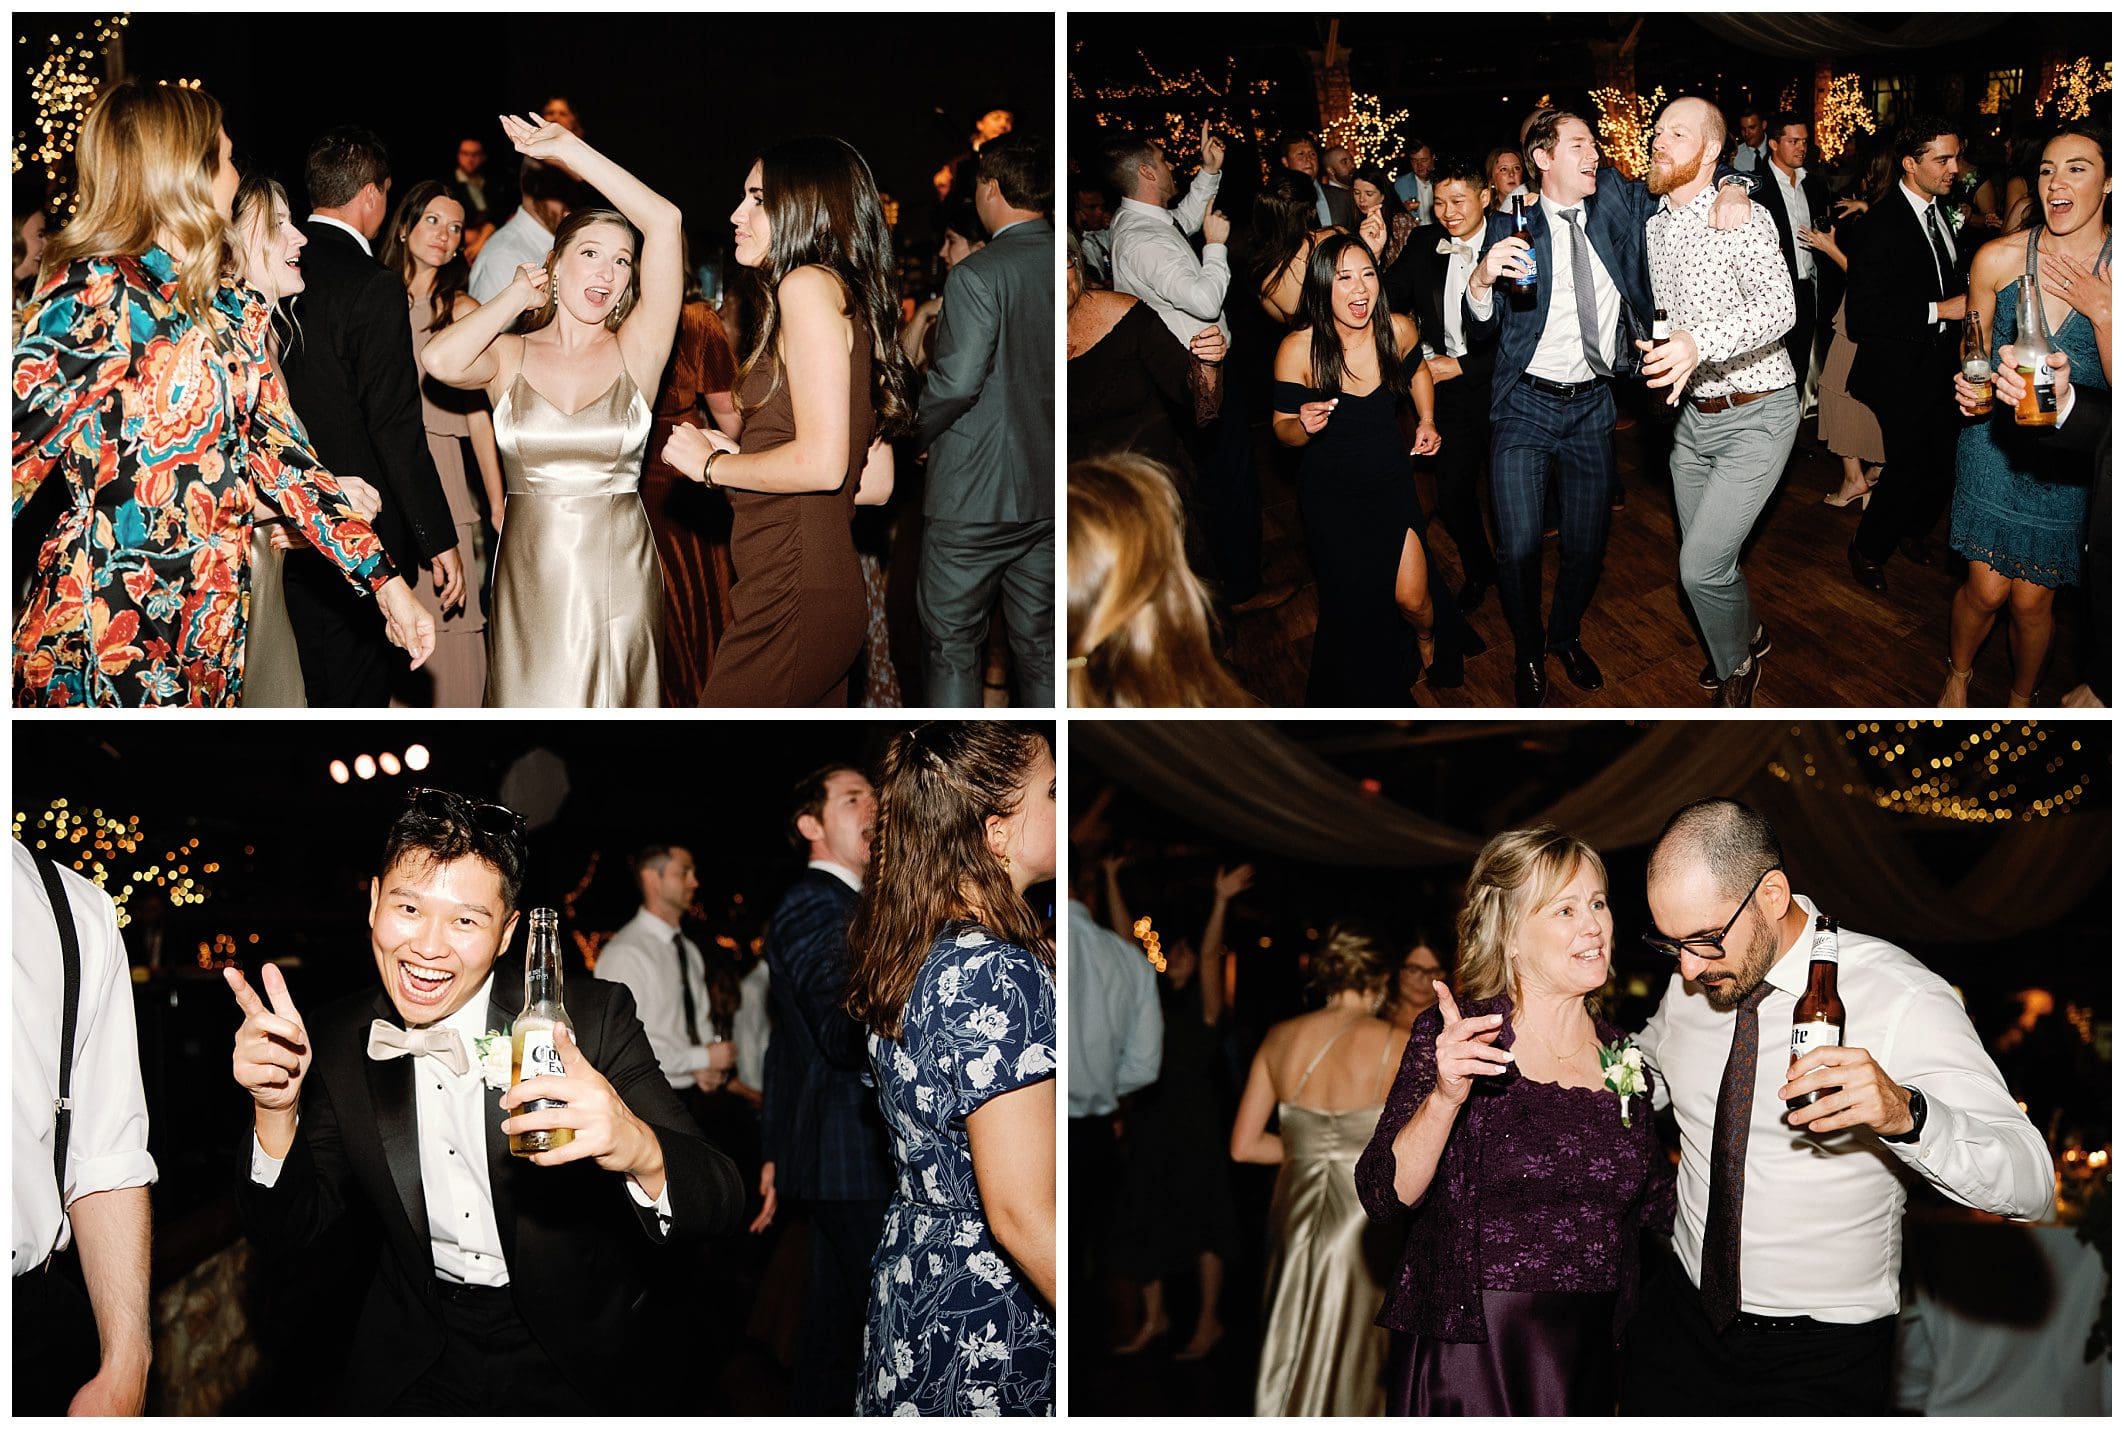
[1812, 36]
[1248, 782]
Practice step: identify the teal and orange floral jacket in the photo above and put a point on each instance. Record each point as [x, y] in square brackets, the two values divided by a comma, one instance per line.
[163, 431]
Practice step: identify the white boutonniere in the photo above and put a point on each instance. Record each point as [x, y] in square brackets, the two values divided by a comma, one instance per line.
[1956, 217]
[494, 1050]
[1622, 1067]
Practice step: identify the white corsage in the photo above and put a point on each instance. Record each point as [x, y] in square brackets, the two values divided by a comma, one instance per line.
[495, 1051]
[1622, 1067]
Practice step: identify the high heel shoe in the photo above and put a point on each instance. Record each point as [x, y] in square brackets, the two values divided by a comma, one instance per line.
[1841, 497]
[1955, 677]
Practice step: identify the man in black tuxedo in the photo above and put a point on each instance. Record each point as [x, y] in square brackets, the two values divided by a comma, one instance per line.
[1795, 197]
[1428, 283]
[503, 1283]
[1905, 309]
[1332, 207]
[349, 364]
[820, 1128]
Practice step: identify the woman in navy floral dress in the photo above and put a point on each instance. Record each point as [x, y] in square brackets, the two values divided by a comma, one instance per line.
[1528, 1179]
[142, 382]
[955, 981]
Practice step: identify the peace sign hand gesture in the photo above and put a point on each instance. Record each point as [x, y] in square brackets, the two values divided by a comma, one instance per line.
[272, 1046]
[1464, 1050]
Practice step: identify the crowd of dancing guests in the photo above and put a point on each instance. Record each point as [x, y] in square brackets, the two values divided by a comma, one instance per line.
[526, 447]
[1397, 334]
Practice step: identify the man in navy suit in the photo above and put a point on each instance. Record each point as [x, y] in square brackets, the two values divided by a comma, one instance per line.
[821, 1132]
[1551, 404]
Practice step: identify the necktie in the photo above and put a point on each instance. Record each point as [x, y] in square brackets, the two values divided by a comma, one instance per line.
[693, 1028]
[444, 1045]
[1582, 280]
[1465, 250]
[1942, 250]
[1719, 1280]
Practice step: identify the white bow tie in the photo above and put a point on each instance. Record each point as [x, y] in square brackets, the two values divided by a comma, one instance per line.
[1447, 245]
[441, 1043]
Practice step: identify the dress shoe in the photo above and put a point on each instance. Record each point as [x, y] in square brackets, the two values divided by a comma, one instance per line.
[1866, 573]
[1918, 550]
[1738, 691]
[1530, 684]
[1577, 664]
[1471, 596]
[1266, 598]
[1757, 648]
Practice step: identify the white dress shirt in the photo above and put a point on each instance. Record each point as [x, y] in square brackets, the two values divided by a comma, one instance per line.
[1821, 1217]
[1728, 290]
[753, 1027]
[1796, 211]
[847, 875]
[1922, 207]
[641, 956]
[1153, 262]
[106, 1148]
[523, 239]
[1560, 356]
[1116, 1026]
[1460, 266]
[347, 228]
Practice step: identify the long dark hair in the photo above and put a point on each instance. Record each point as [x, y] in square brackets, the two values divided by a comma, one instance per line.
[2095, 134]
[1390, 202]
[453, 277]
[1318, 306]
[1282, 222]
[930, 864]
[822, 208]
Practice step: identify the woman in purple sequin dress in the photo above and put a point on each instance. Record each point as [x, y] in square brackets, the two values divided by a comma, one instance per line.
[1524, 1188]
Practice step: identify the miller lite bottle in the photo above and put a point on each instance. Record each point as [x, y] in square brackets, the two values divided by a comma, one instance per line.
[1818, 1021]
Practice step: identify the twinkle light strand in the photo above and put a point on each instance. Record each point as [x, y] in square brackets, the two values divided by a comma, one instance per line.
[1371, 136]
[113, 853]
[1990, 774]
[60, 84]
[1626, 127]
[1845, 114]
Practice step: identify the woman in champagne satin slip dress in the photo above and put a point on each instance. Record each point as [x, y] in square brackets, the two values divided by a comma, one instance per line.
[824, 391]
[577, 611]
[1320, 1351]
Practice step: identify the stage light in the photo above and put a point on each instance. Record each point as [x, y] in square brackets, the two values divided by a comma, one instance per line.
[338, 770]
[416, 757]
[388, 762]
[364, 766]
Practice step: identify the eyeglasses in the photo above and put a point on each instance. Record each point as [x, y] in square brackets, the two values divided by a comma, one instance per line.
[1659, 942]
[447, 803]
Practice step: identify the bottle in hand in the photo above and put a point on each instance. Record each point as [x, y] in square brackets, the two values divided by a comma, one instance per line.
[2038, 406]
[1818, 1021]
[1525, 282]
[1976, 362]
[532, 1053]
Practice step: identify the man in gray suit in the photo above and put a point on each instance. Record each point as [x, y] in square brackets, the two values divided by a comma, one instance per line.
[988, 420]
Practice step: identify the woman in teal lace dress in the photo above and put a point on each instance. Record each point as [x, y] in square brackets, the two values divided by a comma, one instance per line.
[952, 976]
[2019, 507]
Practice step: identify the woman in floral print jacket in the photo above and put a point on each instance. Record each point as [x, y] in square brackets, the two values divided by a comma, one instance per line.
[141, 380]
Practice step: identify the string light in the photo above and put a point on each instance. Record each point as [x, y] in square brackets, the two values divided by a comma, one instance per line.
[1626, 127]
[60, 85]
[1371, 136]
[2069, 89]
[110, 852]
[1845, 113]
[1986, 774]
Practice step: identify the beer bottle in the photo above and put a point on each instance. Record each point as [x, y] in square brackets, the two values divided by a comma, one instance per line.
[532, 1051]
[2038, 406]
[1818, 1021]
[1525, 283]
[1662, 329]
[1976, 361]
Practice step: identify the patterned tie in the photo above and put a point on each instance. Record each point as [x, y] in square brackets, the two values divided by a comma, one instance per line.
[1719, 1280]
[1588, 305]
[387, 1041]
[693, 1029]
[1941, 248]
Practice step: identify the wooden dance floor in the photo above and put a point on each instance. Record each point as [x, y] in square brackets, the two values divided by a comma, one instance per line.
[1834, 644]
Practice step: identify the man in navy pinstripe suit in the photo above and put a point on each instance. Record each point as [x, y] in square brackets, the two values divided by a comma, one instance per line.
[1551, 403]
[821, 1132]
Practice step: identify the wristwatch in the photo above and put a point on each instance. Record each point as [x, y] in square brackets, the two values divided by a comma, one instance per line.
[1917, 1118]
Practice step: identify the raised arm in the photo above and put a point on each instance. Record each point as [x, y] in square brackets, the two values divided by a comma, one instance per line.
[645, 338]
[478, 351]
[1229, 884]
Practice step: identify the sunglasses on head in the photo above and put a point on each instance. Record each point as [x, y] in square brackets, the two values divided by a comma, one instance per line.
[482, 815]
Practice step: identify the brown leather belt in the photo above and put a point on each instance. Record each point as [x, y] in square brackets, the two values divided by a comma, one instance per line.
[1738, 399]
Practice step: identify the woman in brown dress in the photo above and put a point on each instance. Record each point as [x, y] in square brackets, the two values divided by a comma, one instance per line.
[424, 245]
[823, 392]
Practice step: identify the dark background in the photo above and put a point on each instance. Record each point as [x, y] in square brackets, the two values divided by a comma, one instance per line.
[683, 101]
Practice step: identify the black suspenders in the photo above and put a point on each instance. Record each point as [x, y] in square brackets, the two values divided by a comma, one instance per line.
[70, 952]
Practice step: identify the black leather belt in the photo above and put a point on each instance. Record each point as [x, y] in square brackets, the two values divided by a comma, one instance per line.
[1560, 389]
[1776, 1324]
